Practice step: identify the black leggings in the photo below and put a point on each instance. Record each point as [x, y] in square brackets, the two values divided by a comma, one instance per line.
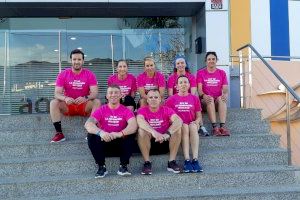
[99, 148]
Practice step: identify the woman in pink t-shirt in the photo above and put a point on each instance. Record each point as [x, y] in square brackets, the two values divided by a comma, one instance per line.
[127, 84]
[187, 106]
[150, 79]
[213, 90]
[181, 68]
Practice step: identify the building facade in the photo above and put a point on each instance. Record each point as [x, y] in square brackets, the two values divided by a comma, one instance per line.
[37, 36]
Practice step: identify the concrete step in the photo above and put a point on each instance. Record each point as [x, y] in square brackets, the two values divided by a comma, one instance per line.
[11, 149]
[281, 192]
[43, 121]
[45, 133]
[74, 164]
[85, 184]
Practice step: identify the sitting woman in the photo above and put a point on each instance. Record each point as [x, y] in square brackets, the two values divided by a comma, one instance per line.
[213, 91]
[181, 68]
[150, 79]
[127, 84]
[187, 106]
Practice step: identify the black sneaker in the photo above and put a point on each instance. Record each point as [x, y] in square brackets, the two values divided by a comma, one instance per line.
[147, 168]
[173, 167]
[101, 172]
[123, 171]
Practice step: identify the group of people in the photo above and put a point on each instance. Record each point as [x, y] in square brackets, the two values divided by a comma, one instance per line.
[170, 122]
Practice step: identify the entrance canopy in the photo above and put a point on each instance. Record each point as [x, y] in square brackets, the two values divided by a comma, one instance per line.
[99, 8]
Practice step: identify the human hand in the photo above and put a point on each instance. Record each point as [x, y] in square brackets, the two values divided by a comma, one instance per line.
[162, 138]
[69, 100]
[107, 137]
[80, 100]
[208, 99]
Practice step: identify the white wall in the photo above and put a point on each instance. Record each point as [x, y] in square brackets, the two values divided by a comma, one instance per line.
[217, 35]
[260, 26]
[294, 25]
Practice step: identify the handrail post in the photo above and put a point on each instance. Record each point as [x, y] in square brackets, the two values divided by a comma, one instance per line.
[250, 75]
[242, 80]
[59, 51]
[288, 127]
[112, 53]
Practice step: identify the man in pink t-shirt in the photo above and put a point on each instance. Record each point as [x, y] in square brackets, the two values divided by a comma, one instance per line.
[111, 124]
[213, 90]
[162, 124]
[76, 93]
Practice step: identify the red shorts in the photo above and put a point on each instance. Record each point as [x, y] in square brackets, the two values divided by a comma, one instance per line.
[76, 110]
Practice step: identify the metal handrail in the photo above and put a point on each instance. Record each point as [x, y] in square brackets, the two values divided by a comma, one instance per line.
[290, 89]
[265, 56]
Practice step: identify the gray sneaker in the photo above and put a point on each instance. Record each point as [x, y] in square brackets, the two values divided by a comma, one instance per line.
[203, 131]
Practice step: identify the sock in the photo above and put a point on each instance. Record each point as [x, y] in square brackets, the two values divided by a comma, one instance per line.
[222, 125]
[214, 125]
[57, 126]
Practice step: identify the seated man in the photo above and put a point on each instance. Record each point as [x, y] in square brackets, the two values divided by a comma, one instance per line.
[75, 93]
[213, 91]
[161, 124]
[111, 124]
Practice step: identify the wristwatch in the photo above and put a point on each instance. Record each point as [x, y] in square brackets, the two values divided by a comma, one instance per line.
[168, 133]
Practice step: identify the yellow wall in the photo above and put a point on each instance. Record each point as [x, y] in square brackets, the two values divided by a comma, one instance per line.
[240, 24]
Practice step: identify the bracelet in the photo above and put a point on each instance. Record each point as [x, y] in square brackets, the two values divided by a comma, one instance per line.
[98, 133]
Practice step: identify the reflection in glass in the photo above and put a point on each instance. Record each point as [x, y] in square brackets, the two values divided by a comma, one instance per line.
[4, 100]
[37, 51]
[33, 66]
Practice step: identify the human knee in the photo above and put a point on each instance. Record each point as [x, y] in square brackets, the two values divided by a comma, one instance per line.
[193, 127]
[143, 102]
[185, 129]
[96, 102]
[54, 103]
[176, 134]
[142, 133]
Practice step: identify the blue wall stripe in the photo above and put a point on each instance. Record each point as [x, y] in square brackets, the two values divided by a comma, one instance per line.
[279, 16]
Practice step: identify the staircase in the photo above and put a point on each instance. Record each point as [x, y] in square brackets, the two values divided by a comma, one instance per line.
[248, 165]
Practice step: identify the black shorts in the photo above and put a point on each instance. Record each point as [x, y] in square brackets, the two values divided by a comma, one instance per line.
[128, 101]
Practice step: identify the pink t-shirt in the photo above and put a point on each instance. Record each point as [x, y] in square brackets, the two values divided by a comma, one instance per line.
[173, 80]
[184, 106]
[160, 120]
[127, 85]
[157, 81]
[212, 83]
[76, 85]
[112, 120]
